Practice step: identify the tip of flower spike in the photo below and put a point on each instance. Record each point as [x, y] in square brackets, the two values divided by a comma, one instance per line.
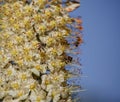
[80, 90]
[71, 75]
[79, 27]
[78, 20]
[74, 89]
[72, 5]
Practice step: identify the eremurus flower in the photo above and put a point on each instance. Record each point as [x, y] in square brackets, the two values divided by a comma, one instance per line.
[33, 51]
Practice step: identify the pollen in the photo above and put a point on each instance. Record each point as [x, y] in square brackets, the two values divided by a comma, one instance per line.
[20, 62]
[37, 18]
[6, 35]
[23, 76]
[54, 93]
[26, 50]
[3, 26]
[54, 52]
[15, 85]
[20, 93]
[48, 13]
[19, 39]
[52, 24]
[38, 98]
[62, 64]
[29, 32]
[49, 41]
[38, 67]
[53, 64]
[12, 20]
[1, 80]
[42, 28]
[56, 78]
[14, 52]
[16, 26]
[9, 72]
[47, 82]
[33, 86]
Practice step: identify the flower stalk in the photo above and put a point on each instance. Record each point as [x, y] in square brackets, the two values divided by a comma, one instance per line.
[33, 46]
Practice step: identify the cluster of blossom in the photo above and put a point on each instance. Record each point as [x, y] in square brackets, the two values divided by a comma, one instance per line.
[33, 49]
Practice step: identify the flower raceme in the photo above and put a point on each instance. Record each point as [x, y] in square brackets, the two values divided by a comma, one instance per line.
[33, 46]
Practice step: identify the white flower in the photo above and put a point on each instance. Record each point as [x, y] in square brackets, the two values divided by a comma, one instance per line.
[69, 100]
[12, 93]
[55, 94]
[10, 71]
[2, 93]
[57, 78]
[21, 95]
[49, 87]
[48, 99]
[45, 81]
[38, 96]
[56, 98]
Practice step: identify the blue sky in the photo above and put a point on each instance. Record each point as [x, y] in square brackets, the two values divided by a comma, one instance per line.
[101, 50]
